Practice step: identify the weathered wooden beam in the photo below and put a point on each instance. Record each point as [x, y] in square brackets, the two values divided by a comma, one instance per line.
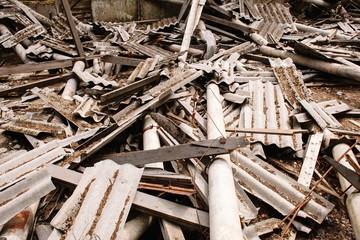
[268, 131]
[226, 23]
[73, 29]
[126, 91]
[171, 211]
[39, 83]
[34, 67]
[127, 61]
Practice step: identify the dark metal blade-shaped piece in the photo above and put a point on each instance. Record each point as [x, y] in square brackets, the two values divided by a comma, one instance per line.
[183, 151]
[350, 175]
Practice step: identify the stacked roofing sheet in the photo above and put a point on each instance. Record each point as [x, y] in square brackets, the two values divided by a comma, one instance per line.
[171, 124]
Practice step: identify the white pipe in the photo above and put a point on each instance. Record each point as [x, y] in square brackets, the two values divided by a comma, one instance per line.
[320, 3]
[70, 89]
[136, 227]
[223, 208]
[177, 48]
[151, 139]
[191, 22]
[58, 56]
[322, 32]
[353, 196]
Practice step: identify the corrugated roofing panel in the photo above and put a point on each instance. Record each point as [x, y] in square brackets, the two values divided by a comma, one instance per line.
[275, 188]
[290, 80]
[266, 109]
[99, 206]
[21, 195]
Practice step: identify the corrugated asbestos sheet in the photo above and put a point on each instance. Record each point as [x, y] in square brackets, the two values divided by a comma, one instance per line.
[266, 109]
[274, 20]
[99, 206]
[14, 169]
[21, 195]
[290, 80]
[33, 127]
[148, 50]
[275, 188]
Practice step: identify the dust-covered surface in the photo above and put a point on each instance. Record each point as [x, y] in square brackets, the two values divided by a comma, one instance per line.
[223, 53]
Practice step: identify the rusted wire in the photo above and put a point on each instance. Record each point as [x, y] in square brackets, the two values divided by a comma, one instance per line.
[298, 207]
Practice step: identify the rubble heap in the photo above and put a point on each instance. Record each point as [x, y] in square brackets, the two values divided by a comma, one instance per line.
[201, 125]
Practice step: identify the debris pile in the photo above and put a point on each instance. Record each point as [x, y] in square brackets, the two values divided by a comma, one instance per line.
[192, 127]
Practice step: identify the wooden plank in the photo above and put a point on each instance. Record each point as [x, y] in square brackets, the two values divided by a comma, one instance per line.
[127, 61]
[73, 29]
[126, 91]
[63, 175]
[184, 151]
[171, 211]
[35, 67]
[183, 9]
[171, 231]
[39, 83]
[268, 131]
[226, 23]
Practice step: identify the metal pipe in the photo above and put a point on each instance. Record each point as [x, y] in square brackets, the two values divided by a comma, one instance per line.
[305, 28]
[353, 196]
[332, 68]
[223, 208]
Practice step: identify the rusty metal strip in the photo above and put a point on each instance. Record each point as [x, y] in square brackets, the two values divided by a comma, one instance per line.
[149, 204]
[73, 29]
[64, 107]
[101, 202]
